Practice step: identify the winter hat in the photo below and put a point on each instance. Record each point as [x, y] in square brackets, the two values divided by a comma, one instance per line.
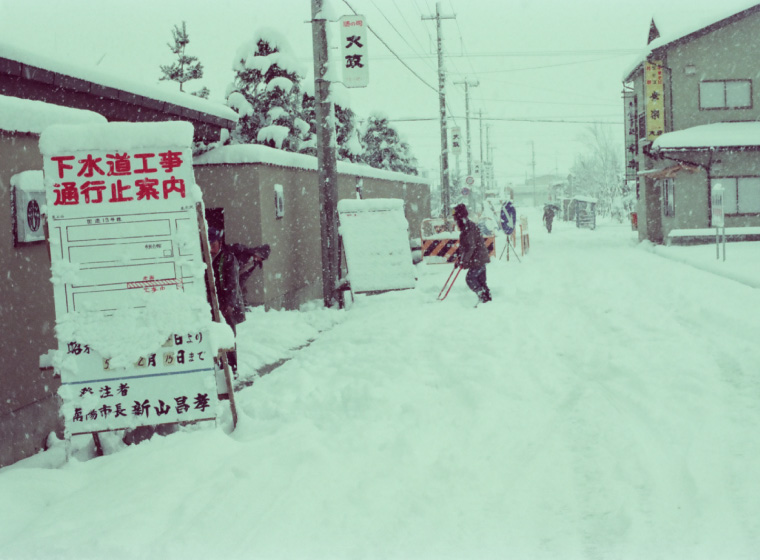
[460, 212]
[214, 234]
[262, 251]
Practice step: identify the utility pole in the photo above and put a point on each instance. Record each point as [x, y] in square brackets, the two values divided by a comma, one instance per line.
[486, 166]
[467, 84]
[445, 194]
[326, 157]
[533, 150]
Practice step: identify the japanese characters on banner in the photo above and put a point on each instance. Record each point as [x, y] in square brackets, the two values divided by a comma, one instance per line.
[456, 140]
[654, 103]
[353, 49]
[631, 137]
[132, 318]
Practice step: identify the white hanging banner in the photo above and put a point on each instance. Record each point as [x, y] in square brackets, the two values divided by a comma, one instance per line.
[133, 321]
[353, 50]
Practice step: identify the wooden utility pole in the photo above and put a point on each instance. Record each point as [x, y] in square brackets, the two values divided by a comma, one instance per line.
[445, 194]
[326, 157]
[467, 84]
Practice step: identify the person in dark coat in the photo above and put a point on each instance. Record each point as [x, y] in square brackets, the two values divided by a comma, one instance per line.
[548, 217]
[473, 254]
[232, 265]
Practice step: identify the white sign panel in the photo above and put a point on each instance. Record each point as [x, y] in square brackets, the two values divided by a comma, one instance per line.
[717, 206]
[132, 316]
[353, 50]
[375, 236]
[456, 140]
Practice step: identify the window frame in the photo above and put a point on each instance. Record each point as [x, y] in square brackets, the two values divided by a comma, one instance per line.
[735, 179]
[725, 106]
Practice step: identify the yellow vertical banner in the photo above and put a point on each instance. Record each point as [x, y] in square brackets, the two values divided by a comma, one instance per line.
[654, 105]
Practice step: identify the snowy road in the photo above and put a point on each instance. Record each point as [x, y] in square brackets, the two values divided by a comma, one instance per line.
[606, 404]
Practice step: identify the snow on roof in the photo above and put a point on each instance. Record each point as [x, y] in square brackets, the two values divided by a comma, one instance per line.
[121, 136]
[675, 25]
[716, 135]
[256, 153]
[104, 79]
[25, 115]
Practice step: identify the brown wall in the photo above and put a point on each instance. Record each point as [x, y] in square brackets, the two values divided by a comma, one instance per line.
[292, 276]
[28, 401]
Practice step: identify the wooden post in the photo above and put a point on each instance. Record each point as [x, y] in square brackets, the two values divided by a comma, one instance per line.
[215, 306]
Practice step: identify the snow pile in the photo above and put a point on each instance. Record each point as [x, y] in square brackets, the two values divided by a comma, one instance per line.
[122, 136]
[716, 135]
[604, 405]
[25, 115]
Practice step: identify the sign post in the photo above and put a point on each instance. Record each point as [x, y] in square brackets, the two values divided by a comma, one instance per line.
[136, 340]
[456, 140]
[353, 50]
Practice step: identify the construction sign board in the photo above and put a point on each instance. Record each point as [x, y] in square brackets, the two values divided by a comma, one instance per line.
[135, 336]
[375, 236]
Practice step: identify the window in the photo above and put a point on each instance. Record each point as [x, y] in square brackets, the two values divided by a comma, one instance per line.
[668, 197]
[741, 195]
[725, 94]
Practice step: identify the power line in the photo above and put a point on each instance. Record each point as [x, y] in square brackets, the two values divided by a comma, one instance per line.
[508, 119]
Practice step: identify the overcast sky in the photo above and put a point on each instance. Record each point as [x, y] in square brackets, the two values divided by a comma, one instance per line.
[536, 60]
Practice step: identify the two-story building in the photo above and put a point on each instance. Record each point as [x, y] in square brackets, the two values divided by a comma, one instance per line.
[692, 108]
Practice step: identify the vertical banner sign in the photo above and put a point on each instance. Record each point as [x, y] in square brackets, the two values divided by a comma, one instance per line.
[654, 104]
[631, 137]
[132, 316]
[456, 140]
[353, 50]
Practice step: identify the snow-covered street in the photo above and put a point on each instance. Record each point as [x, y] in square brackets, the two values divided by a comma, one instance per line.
[606, 404]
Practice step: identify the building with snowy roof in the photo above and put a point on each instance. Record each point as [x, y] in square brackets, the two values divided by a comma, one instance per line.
[260, 194]
[692, 109]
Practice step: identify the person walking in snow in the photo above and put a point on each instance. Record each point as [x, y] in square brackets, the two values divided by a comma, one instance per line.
[232, 265]
[548, 217]
[473, 254]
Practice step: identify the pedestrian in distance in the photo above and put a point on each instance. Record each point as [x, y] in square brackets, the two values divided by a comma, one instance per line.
[473, 254]
[548, 217]
[232, 266]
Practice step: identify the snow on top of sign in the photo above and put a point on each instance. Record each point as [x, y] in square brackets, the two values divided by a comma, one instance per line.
[99, 77]
[29, 181]
[711, 135]
[370, 205]
[128, 334]
[253, 153]
[121, 136]
[26, 115]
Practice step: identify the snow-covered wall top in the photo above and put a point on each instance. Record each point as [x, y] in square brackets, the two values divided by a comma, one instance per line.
[25, 115]
[714, 135]
[177, 98]
[256, 153]
[676, 26]
[122, 136]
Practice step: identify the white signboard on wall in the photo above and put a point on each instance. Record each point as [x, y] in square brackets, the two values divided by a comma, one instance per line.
[132, 315]
[375, 235]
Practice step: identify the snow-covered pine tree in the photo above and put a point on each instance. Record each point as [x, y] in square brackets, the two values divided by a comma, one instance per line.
[266, 93]
[346, 130]
[384, 149]
[186, 67]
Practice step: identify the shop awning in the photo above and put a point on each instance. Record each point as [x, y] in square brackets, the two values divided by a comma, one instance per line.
[668, 172]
